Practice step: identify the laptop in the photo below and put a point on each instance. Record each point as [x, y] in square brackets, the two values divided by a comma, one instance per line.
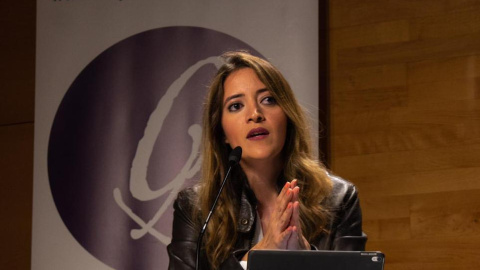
[315, 259]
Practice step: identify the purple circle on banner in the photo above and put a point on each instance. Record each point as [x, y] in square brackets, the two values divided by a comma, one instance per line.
[124, 141]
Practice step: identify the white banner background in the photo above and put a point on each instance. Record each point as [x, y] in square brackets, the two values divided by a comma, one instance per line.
[70, 34]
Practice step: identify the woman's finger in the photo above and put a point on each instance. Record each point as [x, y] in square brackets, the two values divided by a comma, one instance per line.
[286, 217]
[297, 240]
[283, 199]
[294, 183]
[295, 220]
[286, 235]
[296, 194]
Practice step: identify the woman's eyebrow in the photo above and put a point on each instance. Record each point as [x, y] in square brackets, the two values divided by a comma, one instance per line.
[232, 97]
[259, 91]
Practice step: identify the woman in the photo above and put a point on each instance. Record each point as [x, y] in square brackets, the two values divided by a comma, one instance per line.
[279, 197]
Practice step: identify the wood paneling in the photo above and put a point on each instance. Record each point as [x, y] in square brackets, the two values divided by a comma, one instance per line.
[405, 125]
[16, 162]
[17, 77]
[17, 65]
[345, 13]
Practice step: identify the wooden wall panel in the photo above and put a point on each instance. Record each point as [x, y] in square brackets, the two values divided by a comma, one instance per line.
[17, 65]
[345, 13]
[16, 163]
[405, 125]
[17, 84]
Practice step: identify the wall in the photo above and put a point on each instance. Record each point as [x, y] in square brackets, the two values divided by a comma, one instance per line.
[405, 125]
[17, 77]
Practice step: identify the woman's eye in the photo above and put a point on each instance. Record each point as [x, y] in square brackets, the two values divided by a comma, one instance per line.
[234, 107]
[269, 101]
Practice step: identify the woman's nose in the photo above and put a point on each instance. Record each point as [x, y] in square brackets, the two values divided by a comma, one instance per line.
[256, 116]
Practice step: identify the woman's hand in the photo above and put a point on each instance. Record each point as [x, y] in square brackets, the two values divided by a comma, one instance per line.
[279, 230]
[284, 229]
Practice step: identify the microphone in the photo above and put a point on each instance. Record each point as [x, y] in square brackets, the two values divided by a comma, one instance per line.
[235, 156]
[233, 159]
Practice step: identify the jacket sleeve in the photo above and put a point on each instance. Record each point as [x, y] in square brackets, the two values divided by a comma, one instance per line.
[182, 249]
[348, 226]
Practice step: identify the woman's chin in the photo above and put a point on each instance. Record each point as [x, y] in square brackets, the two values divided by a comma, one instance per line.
[260, 157]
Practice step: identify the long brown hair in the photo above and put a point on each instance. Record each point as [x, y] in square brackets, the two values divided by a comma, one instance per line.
[299, 163]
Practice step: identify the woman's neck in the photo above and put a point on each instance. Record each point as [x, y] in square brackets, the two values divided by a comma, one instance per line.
[262, 177]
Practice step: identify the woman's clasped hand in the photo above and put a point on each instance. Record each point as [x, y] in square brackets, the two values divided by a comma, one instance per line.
[284, 230]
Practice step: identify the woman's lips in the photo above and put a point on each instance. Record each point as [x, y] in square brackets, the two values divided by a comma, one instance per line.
[257, 134]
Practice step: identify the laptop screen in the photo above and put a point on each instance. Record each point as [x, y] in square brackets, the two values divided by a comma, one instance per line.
[315, 259]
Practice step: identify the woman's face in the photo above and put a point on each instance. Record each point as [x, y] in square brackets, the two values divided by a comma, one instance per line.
[251, 117]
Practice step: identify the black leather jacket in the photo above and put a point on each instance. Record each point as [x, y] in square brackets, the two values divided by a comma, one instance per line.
[345, 227]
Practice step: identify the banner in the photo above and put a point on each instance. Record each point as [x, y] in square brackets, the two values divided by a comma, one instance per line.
[119, 93]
